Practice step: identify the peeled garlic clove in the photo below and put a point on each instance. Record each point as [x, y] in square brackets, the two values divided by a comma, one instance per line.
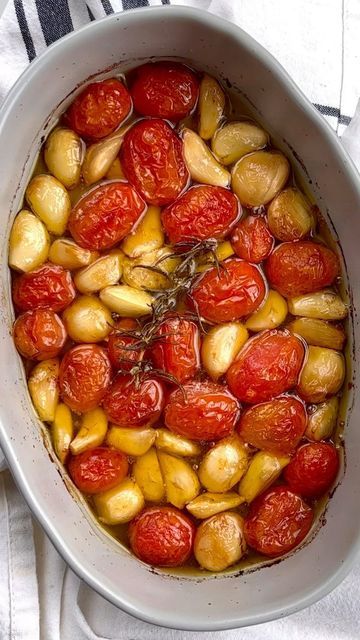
[50, 201]
[322, 374]
[271, 314]
[87, 320]
[220, 347]
[264, 469]
[147, 473]
[92, 431]
[223, 465]
[211, 106]
[259, 176]
[322, 421]
[101, 273]
[181, 482]
[62, 430]
[220, 541]
[120, 504]
[115, 172]
[43, 387]
[202, 165]
[100, 156]
[235, 139]
[223, 250]
[148, 235]
[325, 305]
[134, 442]
[68, 254]
[208, 504]
[29, 242]
[319, 333]
[142, 278]
[290, 215]
[174, 444]
[127, 301]
[63, 154]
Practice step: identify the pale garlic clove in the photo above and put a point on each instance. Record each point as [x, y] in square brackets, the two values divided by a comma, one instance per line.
[290, 215]
[70, 255]
[258, 177]
[270, 315]
[133, 442]
[127, 301]
[115, 171]
[44, 390]
[87, 319]
[322, 375]
[202, 165]
[62, 431]
[322, 421]
[181, 482]
[325, 305]
[223, 251]
[147, 236]
[177, 445]
[100, 156]
[220, 541]
[142, 278]
[236, 139]
[211, 106]
[265, 467]
[147, 473]
[319, 333]
[120, 504]
[208, 504]
[63, 155]
[223, 465]
[28, 243]
[92, 431]
[103, 272]
[50, 201]
[220, 347]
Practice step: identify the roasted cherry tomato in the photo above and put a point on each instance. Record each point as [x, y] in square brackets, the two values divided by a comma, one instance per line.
[152, 160]
[99, 109]
[201, 212]
[106, 215]
[85, 374]
[295, 268]
[277, 425]
[235, 291]
[164, 90]
[176, 348]
[267, 365]
[97, 470]
[252, 240]
[313, 469]
[131, 403]
[277, 522]
[162, 536]
[202, 411]
[39, 334]
[124, 349]
[47, 287]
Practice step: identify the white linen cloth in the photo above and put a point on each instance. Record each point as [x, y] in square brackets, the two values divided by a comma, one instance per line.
[317, 41]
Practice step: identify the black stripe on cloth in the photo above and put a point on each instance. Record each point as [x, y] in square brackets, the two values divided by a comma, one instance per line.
[134, 4]
[333, 111]
[55, 19]
[165, 1]
[91, 15]
[107, 7]
[24, 29]
[344, 120]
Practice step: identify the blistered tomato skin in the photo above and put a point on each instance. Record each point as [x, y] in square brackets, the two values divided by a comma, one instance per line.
[164, 90]
[296, 268]
[47, 287]
[152, 160]
[106, 215]
[162, 536]
[207, 412]
[202, 212]
[267, 365]
[39, 334]
[277, 425]
[97, 470]
[278, 520]
[129, 404]
[313, 469]
[99, 109]
[252, 240]
[234, 292]
[122, 355]
[85, 374]
[176, 348]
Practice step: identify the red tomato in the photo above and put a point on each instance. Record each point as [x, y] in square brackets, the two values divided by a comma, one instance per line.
[47, 287]
[201, 212]
[85, 374]
[176, 349]
[277, 425]
[252, 240]
[120, 354]
[295, 268]
[278, 520]
[129, 404]
[164, 90]
[152, 160]
[98, 469]
[235, 292]
[266, 366]
[313, 469]
[162, 536]
[208, 411]
[106, 215]
[99, 109]
[39, 334]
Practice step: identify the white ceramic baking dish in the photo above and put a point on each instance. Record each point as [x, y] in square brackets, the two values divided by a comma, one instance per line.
[119, 42]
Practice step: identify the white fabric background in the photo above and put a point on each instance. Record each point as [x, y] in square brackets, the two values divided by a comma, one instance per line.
[317, 41]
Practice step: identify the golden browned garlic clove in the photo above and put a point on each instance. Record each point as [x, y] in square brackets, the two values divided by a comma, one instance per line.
[208, 504]
[290, 215]
[319, 333]
[211, 106]
[223, 250]
[147, 473]
[62, 430]
[69, 255]
[223, 465]
[100, 156]
[147, 236]
[63, 155]
[271, 314]
[258, 177]
[220, 541]
[177, 445]
[101, 273]
[120, 504]
[43, 387]
[142, 278]
[29, 242]
[133, 442]
[322, 374]
[235, 139]
[181, 482]
[325, 305]
[322, 421]
[220, 347]
[115, 172]
[202, 165]
[87, 319]
[92, 431]
[50, 201]
[264, 469]
[127, 301]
